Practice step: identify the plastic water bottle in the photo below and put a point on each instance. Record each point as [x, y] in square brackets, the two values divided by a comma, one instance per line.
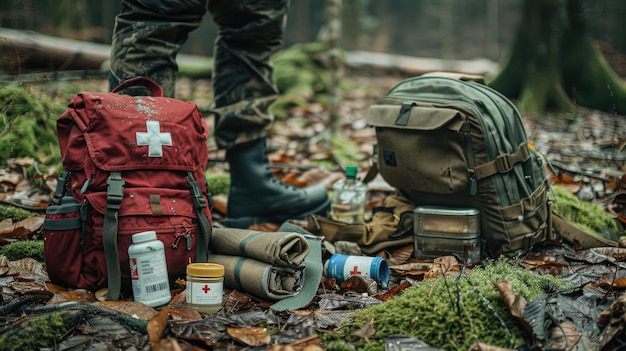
[148, 270]
[349, 198]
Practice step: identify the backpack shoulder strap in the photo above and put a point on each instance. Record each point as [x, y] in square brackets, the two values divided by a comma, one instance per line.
[204, 234]
[115, 194]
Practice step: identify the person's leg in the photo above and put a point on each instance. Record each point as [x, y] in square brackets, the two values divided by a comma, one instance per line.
[147, 36]
[249, 33]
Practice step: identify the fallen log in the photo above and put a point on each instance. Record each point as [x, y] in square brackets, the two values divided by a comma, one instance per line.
[27, 50]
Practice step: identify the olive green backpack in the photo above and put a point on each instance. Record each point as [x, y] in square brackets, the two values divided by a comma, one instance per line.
[450, 140]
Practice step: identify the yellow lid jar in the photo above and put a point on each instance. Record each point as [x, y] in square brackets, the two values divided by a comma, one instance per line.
[205, 285]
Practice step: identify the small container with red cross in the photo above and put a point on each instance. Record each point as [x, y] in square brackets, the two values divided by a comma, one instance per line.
[205, 284]
[342, 267]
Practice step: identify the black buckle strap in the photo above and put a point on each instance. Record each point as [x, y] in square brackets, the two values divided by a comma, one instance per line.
[59, 192]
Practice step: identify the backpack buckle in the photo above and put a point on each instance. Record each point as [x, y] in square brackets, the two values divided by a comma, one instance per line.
[503, 164]
[115, 190]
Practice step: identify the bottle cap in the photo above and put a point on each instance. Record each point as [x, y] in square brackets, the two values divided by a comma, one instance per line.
[144, 236]
[351, 171]
[209, 270]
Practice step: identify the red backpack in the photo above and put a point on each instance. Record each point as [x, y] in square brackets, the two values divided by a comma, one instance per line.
[130, 164]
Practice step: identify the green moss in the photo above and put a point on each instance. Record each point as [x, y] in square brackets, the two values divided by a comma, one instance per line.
[218, 183]
[28, 126]
[447, 312]
[345, 150]
[14, 213]
[22, 249]
[36, 332]
[300, 76]
[585, 215]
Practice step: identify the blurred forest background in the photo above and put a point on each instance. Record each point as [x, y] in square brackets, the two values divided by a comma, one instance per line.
[444, 29]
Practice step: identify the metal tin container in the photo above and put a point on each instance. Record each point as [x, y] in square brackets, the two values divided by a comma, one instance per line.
[443, 231]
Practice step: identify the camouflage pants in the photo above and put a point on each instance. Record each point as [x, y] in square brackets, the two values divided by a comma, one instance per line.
[149, 33]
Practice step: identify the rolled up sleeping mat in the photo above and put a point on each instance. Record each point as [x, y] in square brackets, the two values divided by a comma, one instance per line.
[260, 279]
[286, 249]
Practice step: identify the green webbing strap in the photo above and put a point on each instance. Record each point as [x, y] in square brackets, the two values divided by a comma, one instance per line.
[115, 194]
[503, 163]
[199, 204]
[244, 242]
[237, 273]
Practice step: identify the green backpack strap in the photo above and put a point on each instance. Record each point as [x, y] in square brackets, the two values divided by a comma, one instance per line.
[203, 238]
[574, 234]
[115, 194]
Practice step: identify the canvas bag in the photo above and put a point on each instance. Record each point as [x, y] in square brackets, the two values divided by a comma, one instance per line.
[130, 164]
[391, 226]
[449, 140]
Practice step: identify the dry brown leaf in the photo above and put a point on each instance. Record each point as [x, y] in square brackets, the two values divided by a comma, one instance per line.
[255, 336]
[514, 302]
[180, 313]
[391, 293]
[563, 337]
[4, 265]
[237, 301]
[133, 308]
[170, 344]
[403, 253]
[31, 224]
[27, 267]
[156, 326]
[24, 288]
[310, 343]
[446, 265]
[6, 227]
[78, 295]
[10, 179]
[22, 228]
[620, 283]
[360, 284]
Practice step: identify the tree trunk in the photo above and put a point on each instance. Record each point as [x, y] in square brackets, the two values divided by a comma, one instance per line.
[555, 65]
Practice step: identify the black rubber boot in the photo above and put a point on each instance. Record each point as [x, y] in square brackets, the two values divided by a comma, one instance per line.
[257, 197]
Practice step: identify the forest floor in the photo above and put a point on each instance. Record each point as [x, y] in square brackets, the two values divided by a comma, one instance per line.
[587, 149]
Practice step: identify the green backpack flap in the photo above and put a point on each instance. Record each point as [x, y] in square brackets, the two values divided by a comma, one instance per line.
[450, 140]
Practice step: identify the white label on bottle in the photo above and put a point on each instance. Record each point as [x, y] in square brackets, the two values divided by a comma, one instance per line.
[149, 277]
[199, 293]
[357, 265]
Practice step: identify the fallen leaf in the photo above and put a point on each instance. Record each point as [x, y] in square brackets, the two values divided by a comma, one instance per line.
[179, 313]
[255, 336]
[132, 308]
[28, 267]
[360, 284]
[156, 326]
[6, 226]
[31, 224]
[237, 301]
[391, 293]
[78, 295]
[445, 265]
[515, 302]
[563, 337]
